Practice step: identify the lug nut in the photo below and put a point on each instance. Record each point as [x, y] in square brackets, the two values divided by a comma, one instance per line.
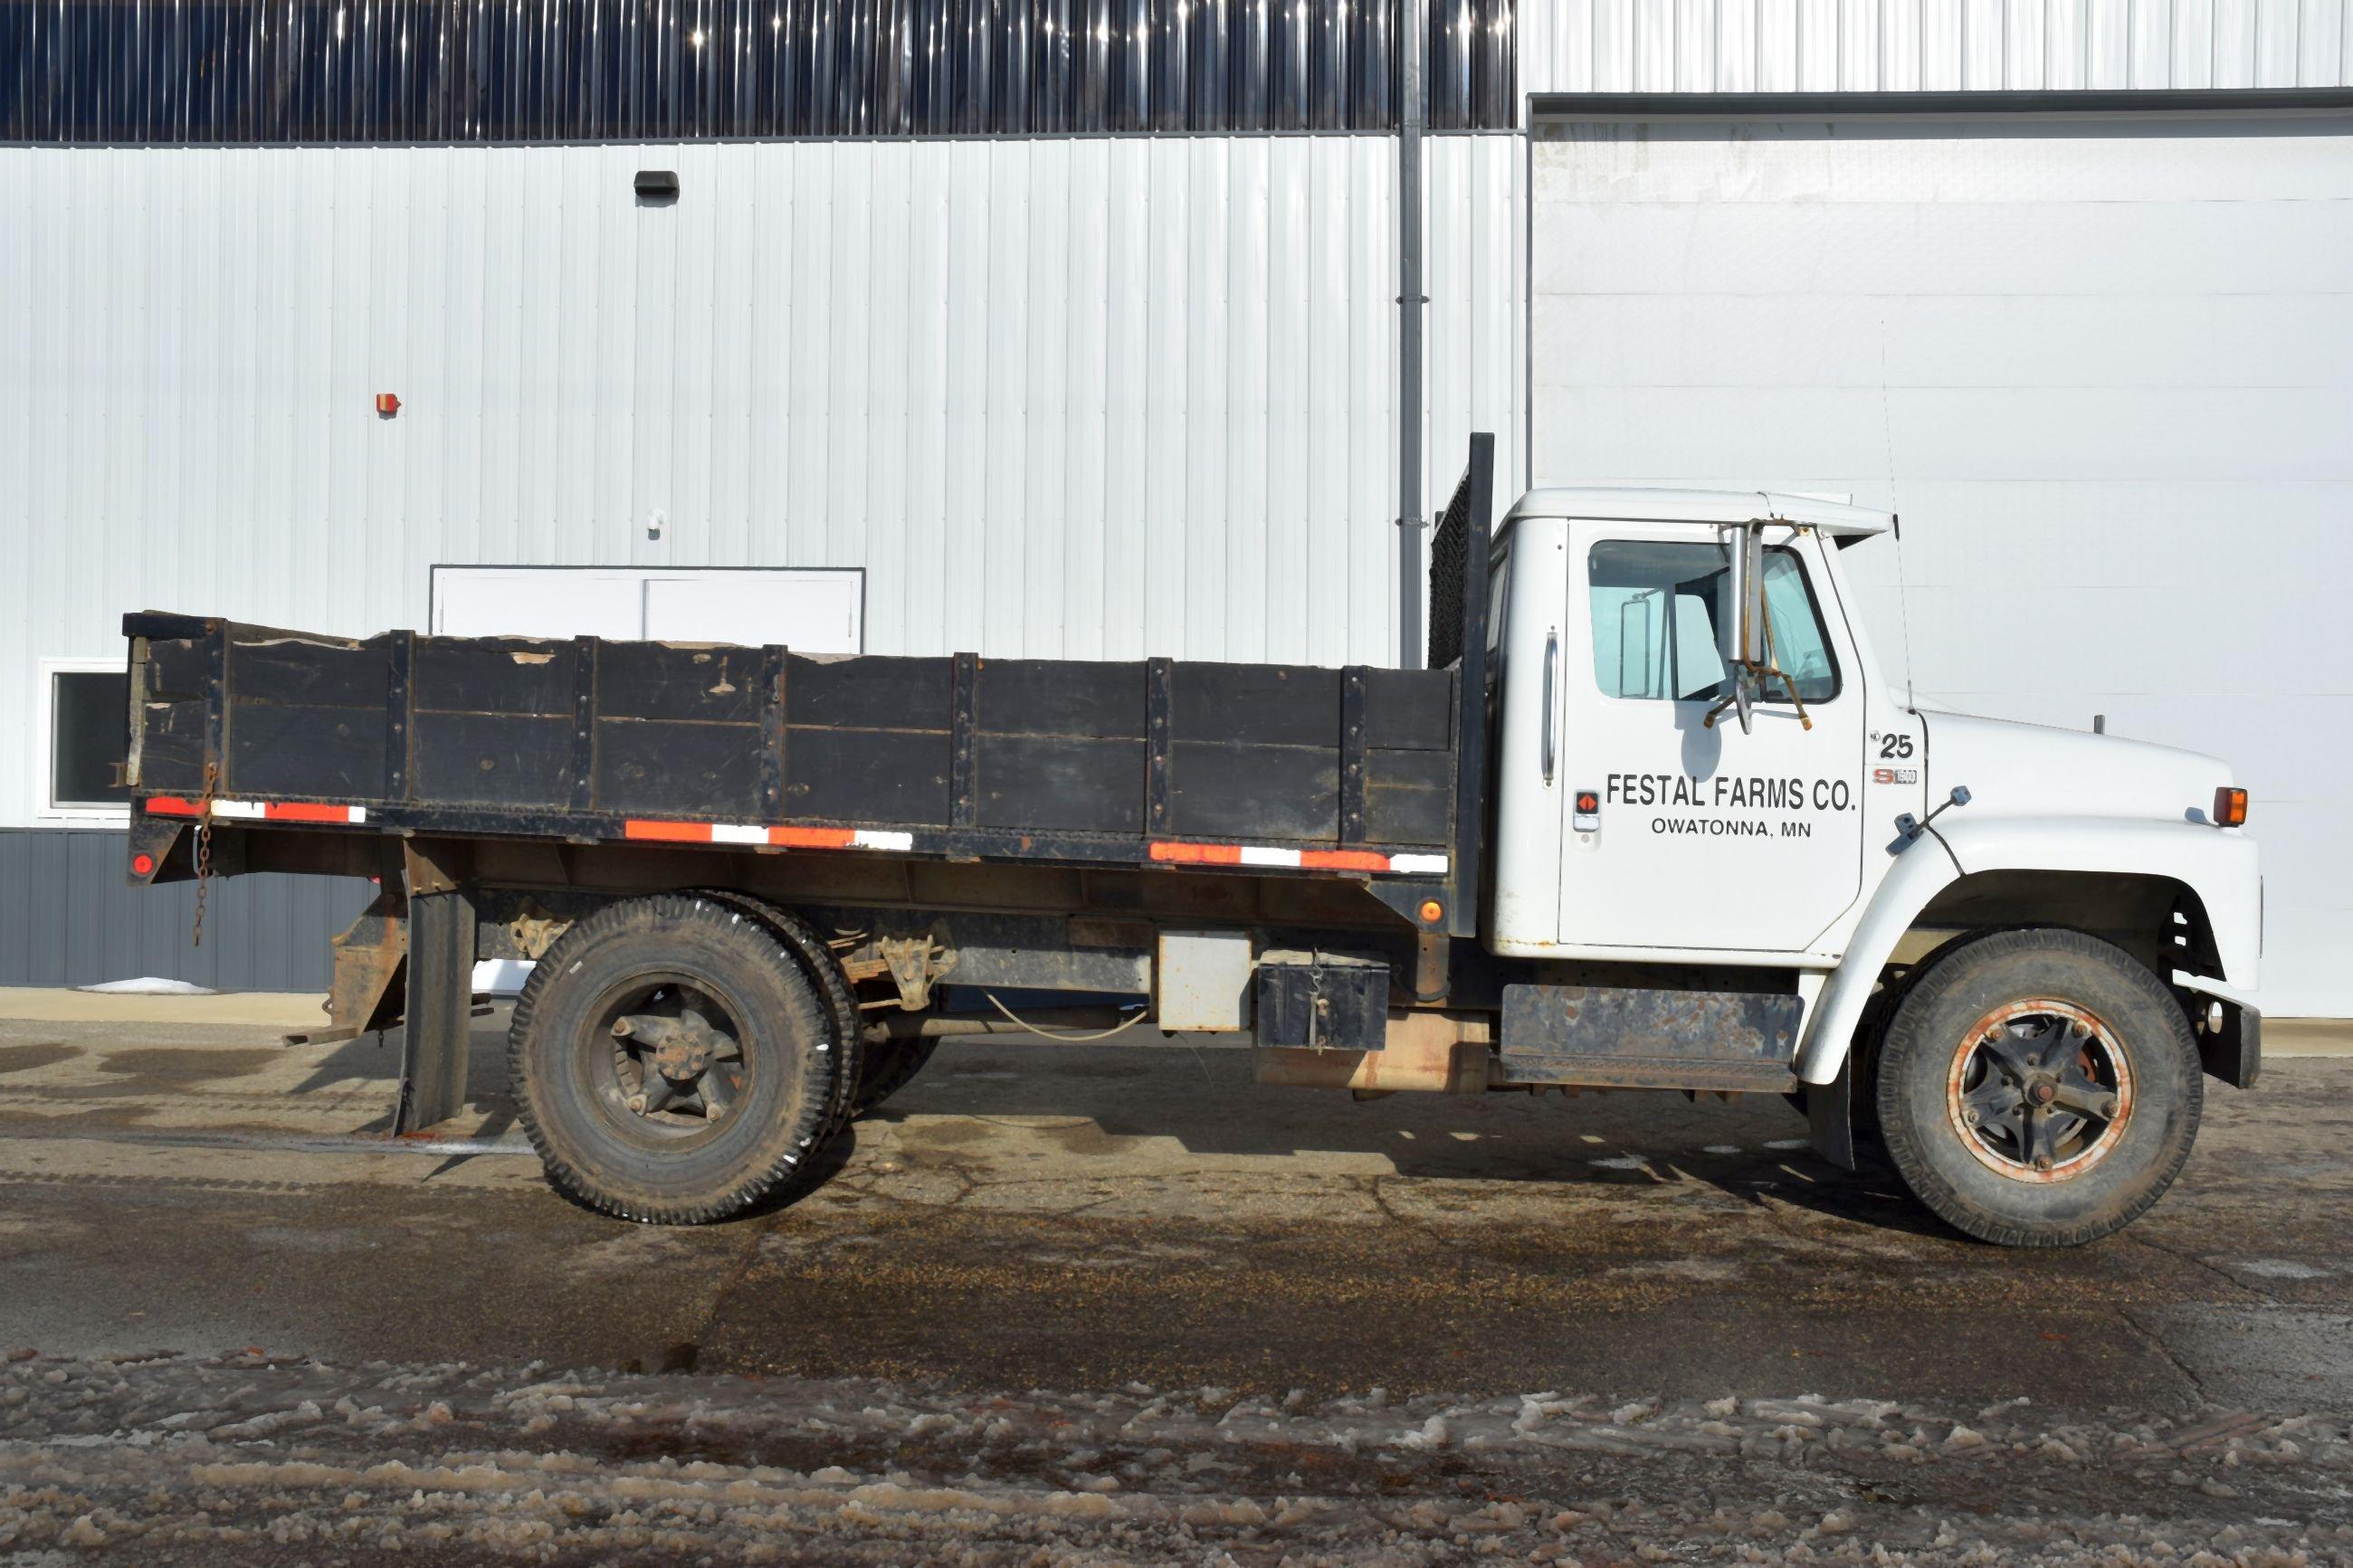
[637, 1103]
[2042, 1162]
[621, 1029]
[1970, 1117]
[2108, 1109]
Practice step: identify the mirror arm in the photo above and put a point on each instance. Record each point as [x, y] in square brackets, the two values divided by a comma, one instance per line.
[1762, 672]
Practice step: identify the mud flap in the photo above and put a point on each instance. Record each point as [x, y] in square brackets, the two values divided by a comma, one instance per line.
[1830, 1116]
[436, 1040]
[2234, 1052]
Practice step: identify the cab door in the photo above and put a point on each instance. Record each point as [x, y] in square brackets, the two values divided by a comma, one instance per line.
[1683, 833]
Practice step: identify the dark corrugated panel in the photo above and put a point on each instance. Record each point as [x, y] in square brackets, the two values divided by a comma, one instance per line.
[592, 70]
[67, 917]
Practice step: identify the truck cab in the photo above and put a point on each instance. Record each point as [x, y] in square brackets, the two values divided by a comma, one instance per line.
[1644, 821]
[1700, 770]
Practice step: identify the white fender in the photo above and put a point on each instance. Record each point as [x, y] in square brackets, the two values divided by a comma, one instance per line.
[2218, 865]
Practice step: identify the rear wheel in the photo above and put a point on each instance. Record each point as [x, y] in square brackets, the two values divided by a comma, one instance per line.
[667, 1061]
[823, 971]
[2038, 1087]
[889, 1068]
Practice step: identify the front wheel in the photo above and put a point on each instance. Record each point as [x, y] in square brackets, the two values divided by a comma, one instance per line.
[2038, 1087]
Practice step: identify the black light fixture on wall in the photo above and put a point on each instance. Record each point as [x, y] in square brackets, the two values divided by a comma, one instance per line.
[656, 186]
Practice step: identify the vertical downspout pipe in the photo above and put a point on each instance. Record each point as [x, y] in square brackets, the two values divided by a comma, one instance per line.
[1412, 35]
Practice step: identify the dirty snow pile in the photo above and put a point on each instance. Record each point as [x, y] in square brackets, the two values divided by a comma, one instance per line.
[163, 1460]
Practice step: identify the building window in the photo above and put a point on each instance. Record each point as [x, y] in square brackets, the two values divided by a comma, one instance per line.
[626, 70]
[85, 707]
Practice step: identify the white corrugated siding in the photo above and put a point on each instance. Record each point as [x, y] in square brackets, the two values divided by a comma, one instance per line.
[1897, 46]
[1098, 398]
[2106, 376]
[1475, 362]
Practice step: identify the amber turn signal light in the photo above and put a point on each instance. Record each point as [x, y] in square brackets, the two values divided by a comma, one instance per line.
[2230, 807]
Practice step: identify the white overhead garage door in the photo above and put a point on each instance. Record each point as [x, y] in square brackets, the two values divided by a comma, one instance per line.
[2101, 366]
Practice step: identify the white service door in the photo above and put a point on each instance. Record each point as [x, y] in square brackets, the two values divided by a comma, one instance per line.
[807, 610]
[2102, 365]
[536, 602]
[1702, 836]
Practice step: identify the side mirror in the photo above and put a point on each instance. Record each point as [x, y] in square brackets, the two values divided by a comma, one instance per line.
[1750, 618]
[1744, 627]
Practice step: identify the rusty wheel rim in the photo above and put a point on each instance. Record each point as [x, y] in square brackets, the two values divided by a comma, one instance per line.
[2039, 1090]
[666, 1059]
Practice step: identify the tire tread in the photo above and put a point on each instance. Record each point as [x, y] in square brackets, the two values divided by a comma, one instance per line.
[794, 1151]
[1953, 965]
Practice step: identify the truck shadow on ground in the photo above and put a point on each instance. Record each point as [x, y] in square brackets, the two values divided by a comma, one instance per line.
[1102, 1104]
[1098, 1106]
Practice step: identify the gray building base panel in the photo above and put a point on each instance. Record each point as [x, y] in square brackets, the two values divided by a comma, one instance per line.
[69, 916]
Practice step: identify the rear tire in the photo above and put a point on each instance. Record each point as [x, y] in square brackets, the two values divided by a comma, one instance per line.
[824, 972]
[2038, 1087]
[889, 1068]
[736, 1099]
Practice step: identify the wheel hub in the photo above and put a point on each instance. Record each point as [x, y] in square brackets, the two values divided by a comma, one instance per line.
[684, 1058]
[2039, 1090]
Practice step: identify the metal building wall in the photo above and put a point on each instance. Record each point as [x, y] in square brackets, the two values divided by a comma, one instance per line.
[1894, 45]
[1080, 397]
[1087, 397]
[68, 917]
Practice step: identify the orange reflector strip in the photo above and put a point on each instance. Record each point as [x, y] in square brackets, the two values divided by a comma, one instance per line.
[813, 838]
[304, 811]
[1343, 860]
[1198, 853]
[171, 806]
[667, 832]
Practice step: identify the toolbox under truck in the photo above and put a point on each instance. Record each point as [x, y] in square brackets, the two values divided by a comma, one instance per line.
[1653, 817]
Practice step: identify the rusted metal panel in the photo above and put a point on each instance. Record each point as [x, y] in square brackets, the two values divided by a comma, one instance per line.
[365, 993]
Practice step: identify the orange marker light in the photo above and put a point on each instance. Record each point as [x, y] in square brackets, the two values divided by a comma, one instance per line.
[1431, 912]
[144, 865]
[2230, 807]
[387, 404]
[1587, 802]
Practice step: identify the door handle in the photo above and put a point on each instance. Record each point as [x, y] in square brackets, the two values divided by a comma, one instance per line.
[1551, 666]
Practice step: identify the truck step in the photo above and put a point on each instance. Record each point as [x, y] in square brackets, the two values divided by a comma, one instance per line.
[1630, 1037]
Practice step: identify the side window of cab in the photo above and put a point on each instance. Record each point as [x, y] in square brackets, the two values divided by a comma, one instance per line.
[1658, 611]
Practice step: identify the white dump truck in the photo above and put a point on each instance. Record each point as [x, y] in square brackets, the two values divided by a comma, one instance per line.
[1653, 818]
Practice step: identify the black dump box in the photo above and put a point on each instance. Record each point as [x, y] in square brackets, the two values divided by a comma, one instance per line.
[1167, 761]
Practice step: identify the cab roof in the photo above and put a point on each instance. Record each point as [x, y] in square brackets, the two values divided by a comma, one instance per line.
[1644, 503]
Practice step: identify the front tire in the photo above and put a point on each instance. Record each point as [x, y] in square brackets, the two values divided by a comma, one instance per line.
[666, 1063]
[2038, 1087]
